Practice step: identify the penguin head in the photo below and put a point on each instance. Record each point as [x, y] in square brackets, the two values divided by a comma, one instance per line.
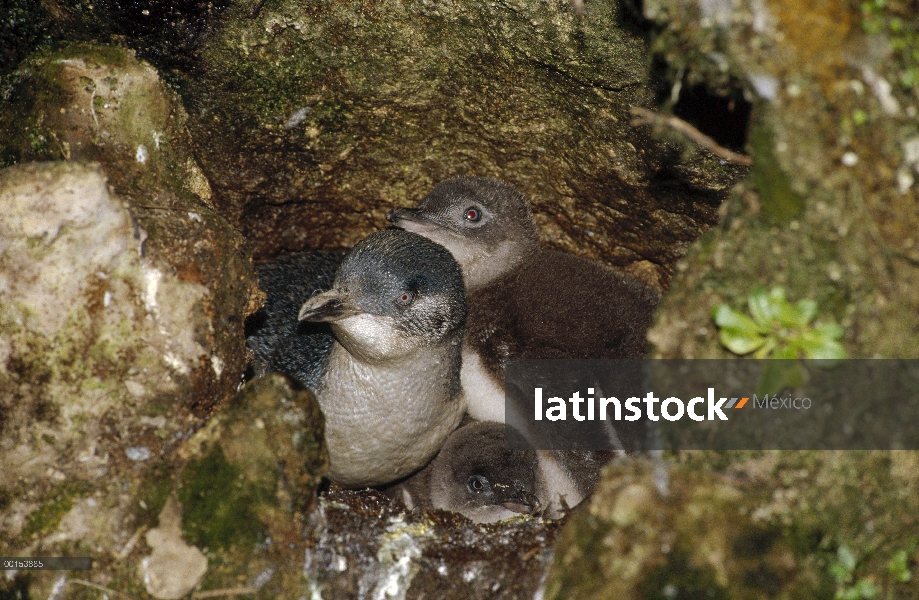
[475, 474]
[485, 223]
[395, 292]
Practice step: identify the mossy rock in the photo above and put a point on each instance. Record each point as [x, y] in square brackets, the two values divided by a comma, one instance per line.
[742, 525]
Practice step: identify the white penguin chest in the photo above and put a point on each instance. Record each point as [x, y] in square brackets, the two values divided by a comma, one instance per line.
[484, 394]
[385, 421]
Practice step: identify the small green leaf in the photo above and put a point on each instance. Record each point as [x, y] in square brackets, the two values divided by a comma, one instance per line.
[788, 352]
[846, 558]
[818, 346]
[829, 330]
[899, 566]
[839, 573]
[761, 307]
[777, 328]
[807, 310]
[788, 315]
[866, 589]
[766, 349]
[740, 342]
[727, 317]
[780, 375]
[847, 594]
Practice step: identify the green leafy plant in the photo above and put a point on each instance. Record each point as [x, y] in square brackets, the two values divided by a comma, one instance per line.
[778, 329]
[842, 569]
[898, 565]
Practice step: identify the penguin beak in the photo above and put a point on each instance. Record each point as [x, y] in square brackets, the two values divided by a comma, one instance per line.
[333, 305]
[410, 219]
[521, 501]
[517, 507]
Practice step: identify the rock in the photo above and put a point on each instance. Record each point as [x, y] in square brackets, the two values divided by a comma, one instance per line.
[99, 342]
[227, 506]
[86, 103]
[247, 482]
[122, 296]
[829, 211]
[166, 33]
[757, 525]
[174, 568]
[365, 546]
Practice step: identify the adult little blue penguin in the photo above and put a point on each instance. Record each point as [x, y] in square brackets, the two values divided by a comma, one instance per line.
[525, 299]
[386, 373]
[476, 475]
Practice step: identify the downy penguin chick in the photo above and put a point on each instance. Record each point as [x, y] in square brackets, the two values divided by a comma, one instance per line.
[476, 475]
[387, 378]
[525, 299]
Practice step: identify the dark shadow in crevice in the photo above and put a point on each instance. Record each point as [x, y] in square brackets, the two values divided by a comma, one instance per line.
[723, 117]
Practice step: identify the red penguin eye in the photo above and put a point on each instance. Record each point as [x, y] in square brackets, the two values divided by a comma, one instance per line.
[476, 483]
[405, 298]
[472, 214]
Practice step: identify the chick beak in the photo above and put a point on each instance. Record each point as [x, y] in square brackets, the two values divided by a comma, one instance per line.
[521, 501]
[333, 305]
[410, 219]
[517, 507]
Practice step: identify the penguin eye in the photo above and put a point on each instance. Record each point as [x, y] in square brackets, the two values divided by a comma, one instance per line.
[405, 298]
[472, 214]
[477, 484]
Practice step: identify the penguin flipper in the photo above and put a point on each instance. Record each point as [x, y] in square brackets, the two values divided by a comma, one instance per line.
[278, 340]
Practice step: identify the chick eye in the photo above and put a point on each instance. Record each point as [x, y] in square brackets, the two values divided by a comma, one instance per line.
[405, 298]
[472, 214]
[477, 484]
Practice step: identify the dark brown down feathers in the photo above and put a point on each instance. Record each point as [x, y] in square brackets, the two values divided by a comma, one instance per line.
[555, 305]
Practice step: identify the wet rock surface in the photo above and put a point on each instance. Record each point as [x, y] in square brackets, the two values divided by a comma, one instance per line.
[246, 485]
[222, 510]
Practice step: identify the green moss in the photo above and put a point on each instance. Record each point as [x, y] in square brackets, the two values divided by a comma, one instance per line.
[153, 493]
[780, 203]
[898, 23]
[677, 579]
[48, 516]
[29, 91]
[217, 504]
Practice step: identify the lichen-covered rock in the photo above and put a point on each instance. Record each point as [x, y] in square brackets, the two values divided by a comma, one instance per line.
[312, 121]
[97, 344]
[247, 483]
[174, 568]
[122, 297]
[769, 525]
[831, 209]
[226, 509]
[93, 103]
[87, 102]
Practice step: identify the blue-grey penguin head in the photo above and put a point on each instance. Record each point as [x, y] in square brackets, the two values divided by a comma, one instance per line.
[475, 474]
[394, 292]
[485, 223]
